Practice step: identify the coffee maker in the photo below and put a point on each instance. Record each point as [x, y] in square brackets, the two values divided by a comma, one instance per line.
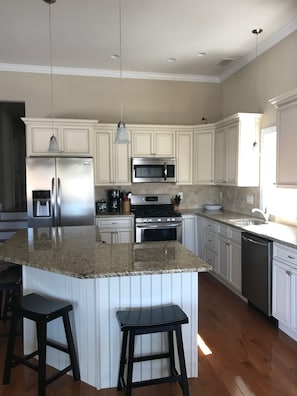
[114, 201]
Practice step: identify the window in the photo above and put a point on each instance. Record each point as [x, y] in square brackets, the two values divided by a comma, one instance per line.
[281, 203]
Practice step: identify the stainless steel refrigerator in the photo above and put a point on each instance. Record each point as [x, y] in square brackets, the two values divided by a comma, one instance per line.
[60, 191]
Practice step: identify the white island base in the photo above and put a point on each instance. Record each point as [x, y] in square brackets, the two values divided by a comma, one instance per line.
[95, 328]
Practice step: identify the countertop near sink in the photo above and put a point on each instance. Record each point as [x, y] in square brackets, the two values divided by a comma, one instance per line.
[275, 231]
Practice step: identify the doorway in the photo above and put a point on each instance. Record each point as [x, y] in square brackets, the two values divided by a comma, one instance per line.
[12, 157]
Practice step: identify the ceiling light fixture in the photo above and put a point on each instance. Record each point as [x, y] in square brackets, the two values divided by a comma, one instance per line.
[256, 32]
[122, 135]
[53, 143]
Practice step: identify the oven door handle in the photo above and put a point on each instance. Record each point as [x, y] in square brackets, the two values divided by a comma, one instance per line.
[159, 225]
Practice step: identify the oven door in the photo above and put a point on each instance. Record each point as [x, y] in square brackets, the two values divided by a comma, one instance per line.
[158, 232]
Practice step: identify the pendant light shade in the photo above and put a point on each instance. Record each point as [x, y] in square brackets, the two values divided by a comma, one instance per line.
[53, 146]
[122, 134]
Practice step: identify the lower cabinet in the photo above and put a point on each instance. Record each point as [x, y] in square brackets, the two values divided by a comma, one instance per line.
[229, 256]
[284, 288]
[189, 232]
[116, 229]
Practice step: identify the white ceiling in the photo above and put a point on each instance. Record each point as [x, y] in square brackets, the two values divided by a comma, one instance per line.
[86, 32]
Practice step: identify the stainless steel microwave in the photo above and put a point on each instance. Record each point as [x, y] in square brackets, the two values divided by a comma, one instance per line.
[153, 170]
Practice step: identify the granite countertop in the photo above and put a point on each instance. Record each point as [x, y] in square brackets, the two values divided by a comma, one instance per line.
[79, 252]
[277, 232]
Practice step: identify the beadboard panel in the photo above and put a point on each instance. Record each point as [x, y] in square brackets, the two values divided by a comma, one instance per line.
[95, 327]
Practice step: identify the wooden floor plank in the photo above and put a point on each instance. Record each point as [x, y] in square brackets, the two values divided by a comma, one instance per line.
[250, 357]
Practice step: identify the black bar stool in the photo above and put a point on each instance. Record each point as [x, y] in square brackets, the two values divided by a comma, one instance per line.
[146, 321]
[41, 310]
[10, 287]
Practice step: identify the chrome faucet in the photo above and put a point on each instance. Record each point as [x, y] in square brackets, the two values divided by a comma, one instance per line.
[265, 214]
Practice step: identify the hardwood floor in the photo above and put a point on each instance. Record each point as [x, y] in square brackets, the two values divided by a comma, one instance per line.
[249, 356]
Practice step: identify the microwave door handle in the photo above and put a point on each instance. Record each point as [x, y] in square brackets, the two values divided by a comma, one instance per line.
[165, 170]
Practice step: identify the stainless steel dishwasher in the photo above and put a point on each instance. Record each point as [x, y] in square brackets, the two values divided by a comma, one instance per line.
[257, 271]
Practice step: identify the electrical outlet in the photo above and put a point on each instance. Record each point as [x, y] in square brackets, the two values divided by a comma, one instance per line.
[250, 199]
[181, 195]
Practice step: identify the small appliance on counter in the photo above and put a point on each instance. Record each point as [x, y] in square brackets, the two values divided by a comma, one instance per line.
[114, 201]
[101, 206]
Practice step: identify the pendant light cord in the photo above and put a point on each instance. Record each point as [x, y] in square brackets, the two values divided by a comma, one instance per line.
[51, 65]
[121, 88]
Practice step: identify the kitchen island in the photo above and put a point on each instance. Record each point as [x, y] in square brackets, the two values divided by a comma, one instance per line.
[73, 264]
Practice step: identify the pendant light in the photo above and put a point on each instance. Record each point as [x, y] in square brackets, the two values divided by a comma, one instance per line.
[256, 32]
[53, 143]
[122, 135]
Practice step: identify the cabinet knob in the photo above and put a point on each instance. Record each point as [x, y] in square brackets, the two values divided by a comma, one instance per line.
[289, 273]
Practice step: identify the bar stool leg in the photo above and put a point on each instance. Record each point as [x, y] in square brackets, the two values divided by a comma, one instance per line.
[10, 347]
[130, 363]
[122, 361]
[182, 362]
[41, 341]
[71, 347]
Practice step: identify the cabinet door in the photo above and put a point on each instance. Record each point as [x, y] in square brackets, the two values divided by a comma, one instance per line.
[38, 137]
[223, 261]
[164, 143]
[200, 236]
[184, 150]
[125, 236]
[220, 155]
[294, 300]
[235, 265]
[103, 158]
[286, 145]
[204, 157]
[142, 143]
[281, 292]
[189, 232]
[107, 236]
[121, 164]
[76, 140]
[231, 148]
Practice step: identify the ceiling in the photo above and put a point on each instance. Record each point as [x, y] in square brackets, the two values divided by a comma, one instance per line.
[86, 32]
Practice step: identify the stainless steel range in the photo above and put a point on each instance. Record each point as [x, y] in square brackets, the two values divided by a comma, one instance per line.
[155, 219]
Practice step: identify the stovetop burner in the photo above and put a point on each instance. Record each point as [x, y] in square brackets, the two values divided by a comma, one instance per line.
[153, 209]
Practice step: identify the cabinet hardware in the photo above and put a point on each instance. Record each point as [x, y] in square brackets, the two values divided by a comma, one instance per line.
[291, 257]
[289, 273]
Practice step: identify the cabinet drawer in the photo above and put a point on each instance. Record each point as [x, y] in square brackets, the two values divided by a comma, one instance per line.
[211, 226]
[223, 230]
[211, 258]
[234, 234]
[210, 240]
[115, 222]
[285, 254]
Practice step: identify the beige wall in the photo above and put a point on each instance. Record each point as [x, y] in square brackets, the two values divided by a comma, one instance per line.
[276, 73]
[157, 102]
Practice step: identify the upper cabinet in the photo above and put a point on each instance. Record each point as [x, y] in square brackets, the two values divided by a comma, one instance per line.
[75, 137]
[236, 161]
[152, 140]
[112, 161]
[184, 155]
[203, 164]
[286, 162]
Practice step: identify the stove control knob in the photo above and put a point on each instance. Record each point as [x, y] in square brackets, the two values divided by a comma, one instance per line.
[159, 220]
[168, 219]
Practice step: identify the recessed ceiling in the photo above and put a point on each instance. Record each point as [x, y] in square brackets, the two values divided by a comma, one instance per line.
[85, 33]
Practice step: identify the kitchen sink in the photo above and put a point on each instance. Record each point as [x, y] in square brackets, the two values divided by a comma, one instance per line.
[247, 222]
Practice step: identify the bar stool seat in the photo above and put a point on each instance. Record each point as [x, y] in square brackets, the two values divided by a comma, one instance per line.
[41, 310]
[165, 319]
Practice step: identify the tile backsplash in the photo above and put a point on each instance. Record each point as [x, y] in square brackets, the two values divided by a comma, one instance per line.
[233, 198]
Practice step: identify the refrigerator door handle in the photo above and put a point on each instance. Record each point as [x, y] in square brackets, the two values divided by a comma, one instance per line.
[59, 202]
[53, 202]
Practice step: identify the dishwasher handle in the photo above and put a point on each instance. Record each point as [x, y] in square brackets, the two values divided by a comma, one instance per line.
[254, 241]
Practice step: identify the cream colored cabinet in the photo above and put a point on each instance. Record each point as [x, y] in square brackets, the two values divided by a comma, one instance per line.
[229, 256]
[75, 137]
[286, 163]
[237, 150]
[184, 156]
[204, 154]
[116, 229]
[284, 288]
[210, 238]
[152, 140]
[189, 232]
[112, 161]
